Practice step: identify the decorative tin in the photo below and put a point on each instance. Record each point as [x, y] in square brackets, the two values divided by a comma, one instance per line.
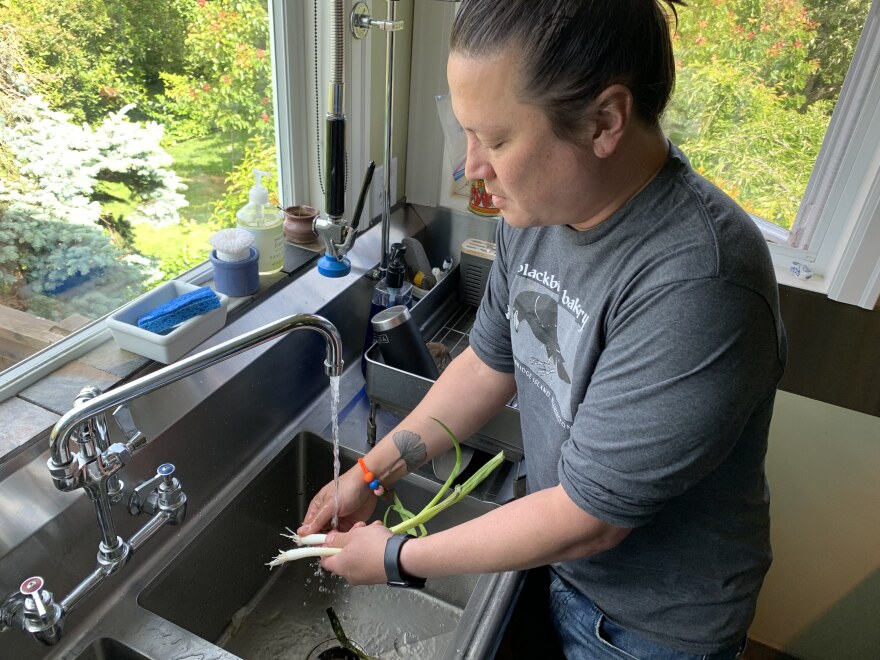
[481, 201]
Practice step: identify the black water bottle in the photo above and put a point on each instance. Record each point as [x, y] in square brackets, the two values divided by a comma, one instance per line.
[401, 344]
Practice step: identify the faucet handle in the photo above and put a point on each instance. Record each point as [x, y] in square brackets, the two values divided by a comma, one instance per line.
[160, 489]
[125, 422]
[171, 498]
[144, 496]
[33, 586]
[42, 615]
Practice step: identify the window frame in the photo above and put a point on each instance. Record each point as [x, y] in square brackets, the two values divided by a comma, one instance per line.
[843, 194]
[291, 26]
[843, 190]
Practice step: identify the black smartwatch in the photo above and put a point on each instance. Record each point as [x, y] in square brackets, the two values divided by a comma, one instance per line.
[395, 574]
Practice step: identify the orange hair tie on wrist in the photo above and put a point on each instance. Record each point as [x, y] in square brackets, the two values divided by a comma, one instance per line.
[371, 480]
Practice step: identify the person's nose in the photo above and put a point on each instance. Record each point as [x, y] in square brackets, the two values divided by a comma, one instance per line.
[477, 165]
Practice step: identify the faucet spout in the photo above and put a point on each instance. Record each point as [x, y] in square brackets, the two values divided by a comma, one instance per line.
[59, 438]
[94, 468]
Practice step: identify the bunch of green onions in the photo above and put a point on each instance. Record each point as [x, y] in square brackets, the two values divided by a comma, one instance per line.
[313, 542]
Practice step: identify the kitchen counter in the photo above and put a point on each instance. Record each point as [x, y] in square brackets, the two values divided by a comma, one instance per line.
[220, 427]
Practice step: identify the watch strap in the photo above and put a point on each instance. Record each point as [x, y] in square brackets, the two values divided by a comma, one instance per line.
[395, 574]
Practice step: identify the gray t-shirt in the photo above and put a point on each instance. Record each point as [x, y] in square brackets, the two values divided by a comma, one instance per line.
[646, 353]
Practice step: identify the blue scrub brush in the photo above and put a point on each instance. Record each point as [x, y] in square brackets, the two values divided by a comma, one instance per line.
[169, 315]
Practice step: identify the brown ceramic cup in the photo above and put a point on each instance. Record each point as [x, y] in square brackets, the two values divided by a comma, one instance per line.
[298, 221]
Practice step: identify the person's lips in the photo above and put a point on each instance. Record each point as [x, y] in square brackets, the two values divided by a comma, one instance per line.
[496, 199]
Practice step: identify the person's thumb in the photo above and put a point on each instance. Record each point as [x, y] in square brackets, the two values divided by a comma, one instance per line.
[315, 520]
[331, 540]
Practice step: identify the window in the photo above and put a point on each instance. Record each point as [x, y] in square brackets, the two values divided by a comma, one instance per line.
[129, 132]
[218, 88]
[776, 102]
[731, 107]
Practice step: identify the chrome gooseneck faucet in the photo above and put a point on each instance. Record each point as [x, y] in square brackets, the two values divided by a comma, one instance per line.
[82, 457]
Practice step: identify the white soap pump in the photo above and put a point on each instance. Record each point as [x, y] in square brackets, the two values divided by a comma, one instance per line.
[265, 222]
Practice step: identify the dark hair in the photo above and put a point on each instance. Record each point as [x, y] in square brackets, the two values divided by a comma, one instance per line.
[572, 50]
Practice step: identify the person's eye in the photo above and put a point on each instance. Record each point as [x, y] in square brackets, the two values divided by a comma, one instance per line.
[495, 147]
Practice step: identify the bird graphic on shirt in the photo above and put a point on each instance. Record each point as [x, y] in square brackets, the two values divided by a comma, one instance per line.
[540, 312]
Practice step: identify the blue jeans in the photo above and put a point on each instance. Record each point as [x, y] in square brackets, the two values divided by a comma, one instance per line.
[587, 634]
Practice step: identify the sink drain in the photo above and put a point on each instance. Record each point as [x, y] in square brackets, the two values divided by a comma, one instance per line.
[330, 649]
[336, 653]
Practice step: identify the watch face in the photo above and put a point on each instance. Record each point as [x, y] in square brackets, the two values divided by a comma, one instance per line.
[407, 584]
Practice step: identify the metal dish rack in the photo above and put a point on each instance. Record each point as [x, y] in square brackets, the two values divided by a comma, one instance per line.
[443, 318]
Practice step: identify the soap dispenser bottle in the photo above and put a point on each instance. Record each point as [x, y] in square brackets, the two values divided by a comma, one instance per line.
[265, 222]
[394, 289]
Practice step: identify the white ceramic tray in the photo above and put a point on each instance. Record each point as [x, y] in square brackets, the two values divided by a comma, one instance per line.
[181, 340]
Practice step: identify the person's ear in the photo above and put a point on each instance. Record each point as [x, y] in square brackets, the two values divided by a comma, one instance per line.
[613, 112]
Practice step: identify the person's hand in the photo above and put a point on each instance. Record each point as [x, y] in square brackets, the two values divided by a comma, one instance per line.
[356, 504]
[362, 560]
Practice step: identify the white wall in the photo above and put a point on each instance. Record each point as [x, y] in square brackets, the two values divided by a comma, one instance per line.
[821, 599]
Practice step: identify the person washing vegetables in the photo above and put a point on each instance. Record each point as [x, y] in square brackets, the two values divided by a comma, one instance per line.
[633, 308]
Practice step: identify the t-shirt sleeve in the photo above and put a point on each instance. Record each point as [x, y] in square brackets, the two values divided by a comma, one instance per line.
[682, 371]
[490, 335]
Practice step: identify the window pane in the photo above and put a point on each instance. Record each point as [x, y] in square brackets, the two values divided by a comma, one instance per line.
[128, 134]
[757, 83]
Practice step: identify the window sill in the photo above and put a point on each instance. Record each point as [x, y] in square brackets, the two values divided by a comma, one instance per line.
[27, 417]
[816, 283]
[30, 415]
[50, 380]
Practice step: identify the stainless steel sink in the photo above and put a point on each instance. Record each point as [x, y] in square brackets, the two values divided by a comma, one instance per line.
[109, 649]
[236, 434]
[220, 589]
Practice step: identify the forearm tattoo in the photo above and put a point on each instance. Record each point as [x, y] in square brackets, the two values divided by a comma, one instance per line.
[412, 450]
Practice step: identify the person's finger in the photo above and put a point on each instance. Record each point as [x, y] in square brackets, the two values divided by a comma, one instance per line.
[336, 539]
[327, 564]
[312, 511]
[316, 519]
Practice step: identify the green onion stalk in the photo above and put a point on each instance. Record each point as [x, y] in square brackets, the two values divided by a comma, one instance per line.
[411, 523]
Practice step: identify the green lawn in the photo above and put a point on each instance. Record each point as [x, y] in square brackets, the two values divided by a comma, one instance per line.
[203, 164]
[177, 247]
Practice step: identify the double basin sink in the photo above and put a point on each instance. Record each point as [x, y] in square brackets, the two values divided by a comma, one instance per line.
[202, 590]
[219, 591]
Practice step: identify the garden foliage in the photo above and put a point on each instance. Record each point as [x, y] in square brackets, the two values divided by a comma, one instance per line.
[94, 56]
[91, 93]
[225, 83]
[94, 93]
[757, 82]
[62, 269]
[60, 165]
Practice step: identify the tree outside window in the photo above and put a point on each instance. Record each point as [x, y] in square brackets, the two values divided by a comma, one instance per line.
[128, 132]
[129, 129]
[757, 83]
